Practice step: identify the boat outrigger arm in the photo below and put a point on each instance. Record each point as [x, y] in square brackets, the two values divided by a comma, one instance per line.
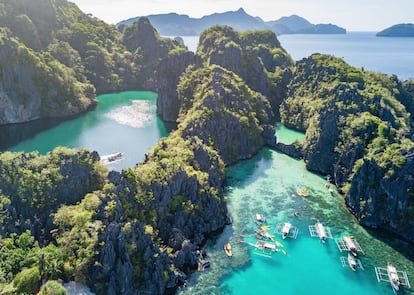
[395, 277]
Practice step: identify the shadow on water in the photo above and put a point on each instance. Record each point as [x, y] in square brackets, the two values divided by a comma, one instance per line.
[13, 134]
[401, 246]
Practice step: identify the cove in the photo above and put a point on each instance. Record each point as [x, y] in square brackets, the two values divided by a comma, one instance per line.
[123, 122]
[268, 184]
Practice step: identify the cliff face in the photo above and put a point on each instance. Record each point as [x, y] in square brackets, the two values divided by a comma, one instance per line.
[148, 48]
[358, 130]
[169, 72]
[385, 200]
[31, 87]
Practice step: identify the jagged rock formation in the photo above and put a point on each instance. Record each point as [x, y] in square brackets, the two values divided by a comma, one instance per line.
[383, 199]
[33, 186]
[169, 72]
[256, 56]
[232, 118]
[149, 48]
[358, 129]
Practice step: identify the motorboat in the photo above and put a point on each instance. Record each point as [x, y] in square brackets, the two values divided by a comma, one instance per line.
[321, 231]
[286, 229]
[111, 158]
[352, 262]
[227, 250]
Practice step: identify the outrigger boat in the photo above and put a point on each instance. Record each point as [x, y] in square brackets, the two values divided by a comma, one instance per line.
[393, 276]
[227, 250]
[348, 243]
[394, 279]
[352, 262]
[286, 230]
[318, 230]
[264, 248]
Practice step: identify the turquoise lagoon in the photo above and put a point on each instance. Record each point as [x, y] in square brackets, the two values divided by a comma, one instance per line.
[267, 184]
[122, 122]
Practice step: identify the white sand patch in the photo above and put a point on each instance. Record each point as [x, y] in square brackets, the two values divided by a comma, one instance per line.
[137, 115]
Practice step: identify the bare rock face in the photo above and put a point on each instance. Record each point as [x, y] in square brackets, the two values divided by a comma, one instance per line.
[32, 88]
[380, 199]
[169, 72]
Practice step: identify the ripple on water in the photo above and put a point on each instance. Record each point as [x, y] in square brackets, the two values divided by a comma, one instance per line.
[137, 115]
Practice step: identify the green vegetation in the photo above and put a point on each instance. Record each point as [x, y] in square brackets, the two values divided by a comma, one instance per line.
[358, 121]
[255, 56]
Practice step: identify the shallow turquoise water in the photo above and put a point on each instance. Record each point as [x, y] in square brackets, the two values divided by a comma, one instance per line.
[288, 136]
[267, 184]
[122, 122]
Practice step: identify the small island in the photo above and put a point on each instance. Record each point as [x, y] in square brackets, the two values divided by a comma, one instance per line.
[399, 30]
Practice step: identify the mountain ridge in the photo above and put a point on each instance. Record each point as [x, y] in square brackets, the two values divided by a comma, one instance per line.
[169, 24]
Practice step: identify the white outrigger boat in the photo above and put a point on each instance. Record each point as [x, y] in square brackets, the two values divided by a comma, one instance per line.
[352, 262]
[395, 277]
[318, 230]
[111, 158]
[348, 243]
[287, 230]
[264, 248]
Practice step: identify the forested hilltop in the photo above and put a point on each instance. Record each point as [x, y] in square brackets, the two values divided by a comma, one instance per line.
[54, 58]
[65, 216]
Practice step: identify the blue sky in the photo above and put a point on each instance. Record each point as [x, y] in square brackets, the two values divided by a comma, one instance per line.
[353, 15]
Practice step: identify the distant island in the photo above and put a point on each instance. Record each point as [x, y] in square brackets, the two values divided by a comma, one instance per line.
[399, 30]
[173, 24]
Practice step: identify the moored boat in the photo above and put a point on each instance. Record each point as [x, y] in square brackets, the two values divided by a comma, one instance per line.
[228, 250]
[108, 159]
[393, 276]
[352, 262]
[321, 231]
[286, 229]
[351, 245]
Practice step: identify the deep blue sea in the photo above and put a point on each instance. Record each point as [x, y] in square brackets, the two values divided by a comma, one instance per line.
[360, 49]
